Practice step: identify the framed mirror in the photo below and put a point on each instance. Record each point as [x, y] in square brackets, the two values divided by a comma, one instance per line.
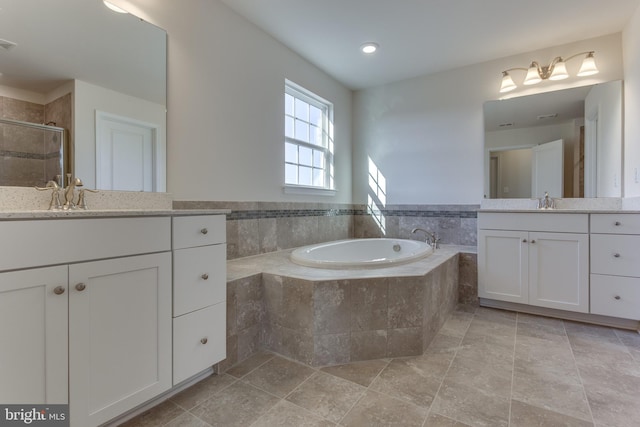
[67, 62]
[567, 143]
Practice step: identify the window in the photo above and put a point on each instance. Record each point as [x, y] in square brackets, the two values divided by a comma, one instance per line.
[308, 139]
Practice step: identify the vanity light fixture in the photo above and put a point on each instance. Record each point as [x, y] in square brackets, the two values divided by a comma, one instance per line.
[369, 48]
[114, 7]
[556, 70]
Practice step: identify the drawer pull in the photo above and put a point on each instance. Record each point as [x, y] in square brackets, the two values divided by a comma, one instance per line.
[59, 290]
[617, 297]
[533, 241]
[524, 240]
[205, 276]
[204, 231]
[617, 223]
[616, 255]
[204, 340]
[81, 287]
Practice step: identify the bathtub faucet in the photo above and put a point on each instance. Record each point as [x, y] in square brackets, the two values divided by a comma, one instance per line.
[432, 238]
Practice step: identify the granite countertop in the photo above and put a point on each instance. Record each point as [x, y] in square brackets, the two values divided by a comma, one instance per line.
[564, 206]
[105, 213]
[20, 203]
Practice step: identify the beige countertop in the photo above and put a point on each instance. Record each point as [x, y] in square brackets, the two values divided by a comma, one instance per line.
[105, 213]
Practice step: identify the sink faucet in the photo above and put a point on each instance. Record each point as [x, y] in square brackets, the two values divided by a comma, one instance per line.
[55, 194]
[546, 202]
[432, 238]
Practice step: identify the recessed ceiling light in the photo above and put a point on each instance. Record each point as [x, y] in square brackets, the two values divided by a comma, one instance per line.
[369, 48]
[114, 7]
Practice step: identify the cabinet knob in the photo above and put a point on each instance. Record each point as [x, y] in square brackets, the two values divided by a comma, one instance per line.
[204, 340]
[59, 290]
[204, 231]
[205, 276]
[524, 240]
[617, 297]
[616, 255]
[533, 241]
[80, 287]
[617, 223]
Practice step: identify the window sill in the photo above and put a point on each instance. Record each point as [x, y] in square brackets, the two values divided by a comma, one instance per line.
[302, 189]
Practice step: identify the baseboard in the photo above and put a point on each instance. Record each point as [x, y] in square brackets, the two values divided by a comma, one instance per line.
[595, 319]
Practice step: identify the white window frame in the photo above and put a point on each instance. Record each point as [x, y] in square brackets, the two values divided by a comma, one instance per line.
[327, 147]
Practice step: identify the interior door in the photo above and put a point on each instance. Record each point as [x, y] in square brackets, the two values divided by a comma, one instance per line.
[547, 169]
[125, 153]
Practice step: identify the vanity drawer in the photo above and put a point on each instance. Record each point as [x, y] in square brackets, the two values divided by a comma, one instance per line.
[615, 254]
[199, 341]
[538, 221]
[615, 223]
[615, 296]
[35, 243]
[199, 278]
[189, 231]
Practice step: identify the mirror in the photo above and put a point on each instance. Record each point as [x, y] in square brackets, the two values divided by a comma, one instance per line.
[68, 63]
[574, 135]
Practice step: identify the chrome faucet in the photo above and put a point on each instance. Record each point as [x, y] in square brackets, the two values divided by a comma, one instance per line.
[546, 202]
[431, 238]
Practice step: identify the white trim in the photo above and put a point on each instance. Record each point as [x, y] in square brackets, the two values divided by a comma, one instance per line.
[303, 189]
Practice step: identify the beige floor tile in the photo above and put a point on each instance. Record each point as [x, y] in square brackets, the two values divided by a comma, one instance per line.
[202, 391]
[408, 380]
[563, 394]
[435, 420]
[631, 339]
[524, 415]
[613, 407]
[444, 343]
[248, 365]
[375, 409]
[286, 414]
[471, 406]
[503, 316]
[279, 376]
[239, 406]
[456, 324]
[187, 420]
[156, 416]
[326, 395]
[362, 373]
[546, 331]
[491, 376]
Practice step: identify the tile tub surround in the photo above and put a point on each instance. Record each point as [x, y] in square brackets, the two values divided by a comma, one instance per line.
[261, 227]
[326, 317]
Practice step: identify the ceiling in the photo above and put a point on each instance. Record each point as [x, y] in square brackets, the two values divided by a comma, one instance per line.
[62, 40]
[419, 37]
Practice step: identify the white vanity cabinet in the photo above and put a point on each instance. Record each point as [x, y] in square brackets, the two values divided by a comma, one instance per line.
[199, 294]
[615, 265]
[33, 336]
[112, 280]
[539, 259]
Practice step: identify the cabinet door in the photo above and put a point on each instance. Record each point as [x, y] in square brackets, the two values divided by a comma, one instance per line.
[33, 336]
[559, 271]
[503, 265]
[119, 335]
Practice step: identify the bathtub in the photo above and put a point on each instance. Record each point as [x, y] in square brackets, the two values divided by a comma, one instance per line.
[357, 253]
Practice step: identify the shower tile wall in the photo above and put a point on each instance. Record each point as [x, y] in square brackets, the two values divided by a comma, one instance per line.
[27, 157]
[259, 227]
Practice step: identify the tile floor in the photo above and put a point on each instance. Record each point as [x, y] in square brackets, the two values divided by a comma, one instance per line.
[486, 367]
